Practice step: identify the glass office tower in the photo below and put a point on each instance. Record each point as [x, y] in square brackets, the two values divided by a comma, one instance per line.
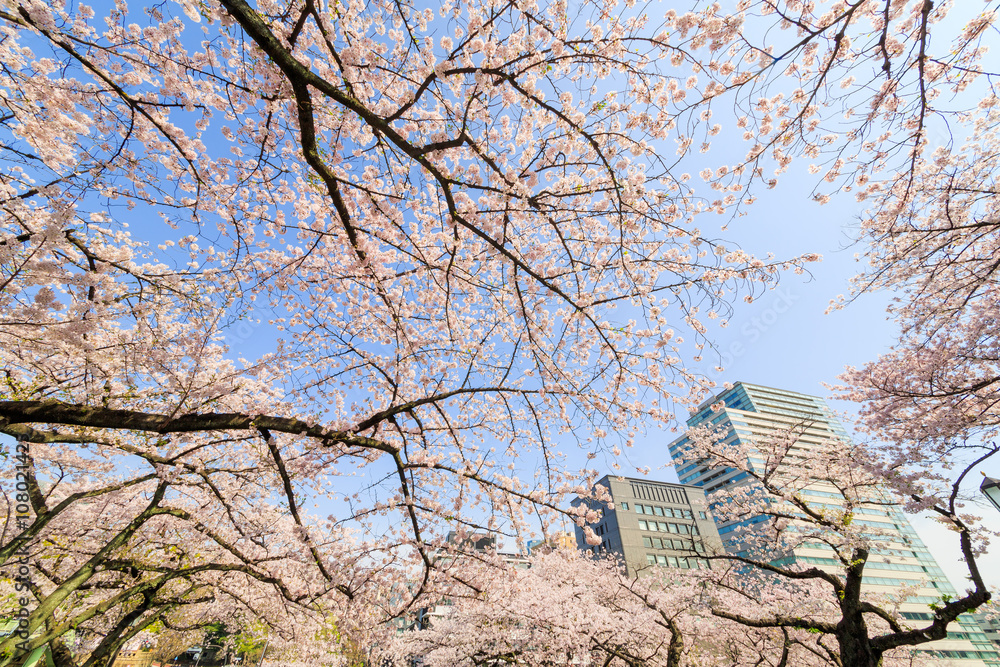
[752, 411]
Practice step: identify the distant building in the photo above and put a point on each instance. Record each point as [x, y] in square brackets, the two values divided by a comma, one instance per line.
[752, 411]
[479, 542]
[561, 540]
[991, 627]
[652, 524]
[475, 541]
[138, 658]
[457, 547]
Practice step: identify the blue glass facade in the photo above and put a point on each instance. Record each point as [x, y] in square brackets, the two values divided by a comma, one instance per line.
[753, 410]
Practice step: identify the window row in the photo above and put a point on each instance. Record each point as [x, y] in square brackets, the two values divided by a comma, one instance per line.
[663, 527]
[965, 620]
[656, 510]
[678, 561]
[899, 583]
[963, 655]
[680, 545]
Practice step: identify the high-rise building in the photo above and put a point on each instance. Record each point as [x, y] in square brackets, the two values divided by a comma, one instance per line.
[746, 413]
[991, 626]
[652, 524]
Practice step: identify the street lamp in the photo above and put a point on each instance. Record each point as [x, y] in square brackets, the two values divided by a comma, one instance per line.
[991, 489]
[264, 652]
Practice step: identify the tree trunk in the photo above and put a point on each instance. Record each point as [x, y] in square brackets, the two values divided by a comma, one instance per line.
[856, 649]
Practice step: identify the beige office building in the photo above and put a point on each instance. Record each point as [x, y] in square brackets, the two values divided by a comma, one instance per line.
[652, 524]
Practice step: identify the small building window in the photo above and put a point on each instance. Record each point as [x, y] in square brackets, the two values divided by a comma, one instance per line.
[625, 506]
[643, 525]
[647, 542]
[658, 511]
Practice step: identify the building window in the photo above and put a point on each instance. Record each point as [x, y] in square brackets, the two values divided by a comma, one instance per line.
[650, 559]
[658, 511]
[639, 509]
[625, 506]
[661, 560]
[672, 560]
[647, 542]
[657, 543]
[694, 530]
[663, 527]
[701, 515]
[643, 525]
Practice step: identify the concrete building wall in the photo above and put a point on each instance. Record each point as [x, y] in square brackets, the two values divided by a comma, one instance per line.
[653, 524]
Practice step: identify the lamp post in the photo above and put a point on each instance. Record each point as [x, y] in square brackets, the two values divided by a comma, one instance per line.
[264, 652]
[991, 489]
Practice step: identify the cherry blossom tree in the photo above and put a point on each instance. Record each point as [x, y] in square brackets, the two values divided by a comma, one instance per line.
[459, 244]
[933, 397]
[459, 237]
[567, 608]
[929, 405]
[782, 507]
[114, 559]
